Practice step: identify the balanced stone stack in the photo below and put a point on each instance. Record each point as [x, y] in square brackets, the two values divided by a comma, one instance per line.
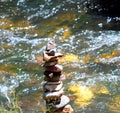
[56, 101]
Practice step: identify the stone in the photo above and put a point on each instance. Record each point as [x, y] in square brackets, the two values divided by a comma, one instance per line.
[64, 100]
[51, 95]
[50, 45]
[52, 87]
[53, 101]
[48, 57]
[54, 83]
[62, 77]
[51, 63]
[59, 54]
[67, 109]
[56, 68]
[53, 78]
[51, 52]
[54, 73]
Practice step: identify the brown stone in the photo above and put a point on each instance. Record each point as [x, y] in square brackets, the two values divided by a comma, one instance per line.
[48, 57]
[56, 68]
[54, 73]
[66, 109]
[54, 83]
[51, 63]
[53, 78]
[59, 54]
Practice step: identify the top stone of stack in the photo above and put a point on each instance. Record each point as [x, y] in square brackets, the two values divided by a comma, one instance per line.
[51, 48]
[50, 45]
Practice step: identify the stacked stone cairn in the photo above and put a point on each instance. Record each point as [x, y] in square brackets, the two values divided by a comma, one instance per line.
[56, 101]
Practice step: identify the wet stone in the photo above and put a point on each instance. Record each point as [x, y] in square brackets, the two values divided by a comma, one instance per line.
[50, 63]
[54, 83]
[56, 68]
[51, 57]
[53, 101]
[52, 78]
[51, 52]
[64, 100]
[67, 109]
[47, 57]
[55, 94]
[50, 45]
[52, 87]
[54, 73]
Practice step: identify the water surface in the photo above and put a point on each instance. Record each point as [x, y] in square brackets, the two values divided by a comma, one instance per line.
[90, 42]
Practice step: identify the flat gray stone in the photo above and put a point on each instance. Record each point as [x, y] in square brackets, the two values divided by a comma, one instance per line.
[55, 94]
[52, 87]
[54, 83]
[63, 102]
[50, 45]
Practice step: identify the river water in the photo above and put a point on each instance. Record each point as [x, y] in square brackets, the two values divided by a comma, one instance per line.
[90, 42]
